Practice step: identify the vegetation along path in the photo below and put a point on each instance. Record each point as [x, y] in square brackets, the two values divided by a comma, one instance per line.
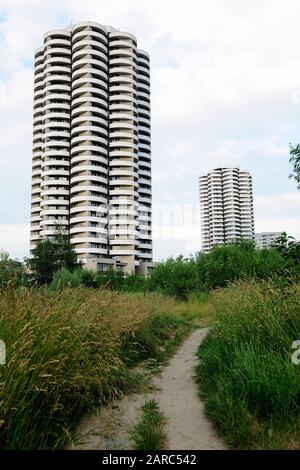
[177, 396]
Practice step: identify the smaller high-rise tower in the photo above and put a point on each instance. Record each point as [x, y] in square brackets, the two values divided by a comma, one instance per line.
[226, 207]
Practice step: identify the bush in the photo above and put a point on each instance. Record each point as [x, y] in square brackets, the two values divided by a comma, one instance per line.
[65, 278]
[250, 385]
[175, 277]
[183, 277]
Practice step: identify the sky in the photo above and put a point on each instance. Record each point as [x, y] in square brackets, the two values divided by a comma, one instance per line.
[225, 91]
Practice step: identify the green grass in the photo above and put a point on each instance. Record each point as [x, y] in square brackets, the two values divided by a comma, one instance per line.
[249, 384]
[71, 350]
[148, 433]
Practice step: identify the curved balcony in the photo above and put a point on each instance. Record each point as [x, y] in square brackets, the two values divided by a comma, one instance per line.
[57, 60]
[88, 200]
[126, 61]
[89, 89]
[54, 153]
[145, 200]
[88, 128]
[57, 106]
[53, 115]
[62, 78]
[123, 182]
[86, 104]
[119, 116]
[56, 182]
[143, 78]
[56, 52]
[59, 41]
[123, 192]
[88, 167]
[55, 173]
[54, 192]
[88, 61]
[92, 251]
[88, 187]
[85, 119]
[118, 172]
[89, 42]
[122, 98]
[125, 252]
[115, 126]
[84, 209]
[122, 107]
[87, 51]
[102, 31]
[92, 178]
[125, 145]
[122, 154]
[86, 156]
[91, 71]
[56, 130]
[87, 148]
[88, 138]
[89, 239]
[88, 228]
[122, 79]
[56, 212]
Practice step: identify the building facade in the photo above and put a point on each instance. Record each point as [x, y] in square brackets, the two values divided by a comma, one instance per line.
[226, 207]
[91, 165]
[265, 239]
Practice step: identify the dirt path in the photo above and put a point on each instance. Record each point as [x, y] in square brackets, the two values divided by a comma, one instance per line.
[176, 392]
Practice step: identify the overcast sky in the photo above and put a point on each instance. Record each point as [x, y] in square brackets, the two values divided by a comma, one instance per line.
[225, 87]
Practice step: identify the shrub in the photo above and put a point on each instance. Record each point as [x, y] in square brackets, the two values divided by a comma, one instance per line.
[65, 278]
[183, 277]
[175, 277]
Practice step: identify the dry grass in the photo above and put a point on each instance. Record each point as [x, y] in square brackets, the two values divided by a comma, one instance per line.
[67, 352]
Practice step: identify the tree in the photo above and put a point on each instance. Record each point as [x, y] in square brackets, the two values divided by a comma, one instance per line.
[295, 160]
[51, 255]
[11, 270]
[288, 247]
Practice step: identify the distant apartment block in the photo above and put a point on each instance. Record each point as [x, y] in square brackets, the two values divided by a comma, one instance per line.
[265, 239]
[226, 207]
[91, 164]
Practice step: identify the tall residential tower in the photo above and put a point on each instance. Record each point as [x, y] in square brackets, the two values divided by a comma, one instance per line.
[226, 206]
[91, 165]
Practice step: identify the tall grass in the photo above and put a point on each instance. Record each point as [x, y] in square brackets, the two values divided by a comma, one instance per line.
[250, 385]
[68, 351]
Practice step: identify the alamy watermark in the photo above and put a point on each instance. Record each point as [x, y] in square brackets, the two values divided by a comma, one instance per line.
[2, 353]
[296, 354]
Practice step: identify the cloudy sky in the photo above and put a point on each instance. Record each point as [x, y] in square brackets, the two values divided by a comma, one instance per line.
[225, 82]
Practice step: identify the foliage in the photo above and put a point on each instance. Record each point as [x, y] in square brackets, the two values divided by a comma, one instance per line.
[11, 270]
[295, 161]
[182, 277]
[49, 256]
[289, 248]
[175, 277]
[64, 278]
[250, 386]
